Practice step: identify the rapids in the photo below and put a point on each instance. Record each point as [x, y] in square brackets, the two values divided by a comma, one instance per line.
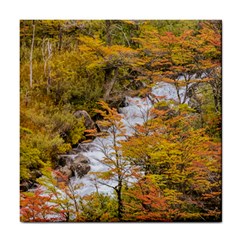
[135, 112]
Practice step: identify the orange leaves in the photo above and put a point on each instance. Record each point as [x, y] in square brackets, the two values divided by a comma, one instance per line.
[36, 207]
[211, 195]
[182, 161]
[111, 118]
[211, 34]
[90, 133]
[168, 55]
[167, 80]
[147, 203]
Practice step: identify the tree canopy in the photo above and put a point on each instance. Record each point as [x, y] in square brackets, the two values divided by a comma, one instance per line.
[174, 157]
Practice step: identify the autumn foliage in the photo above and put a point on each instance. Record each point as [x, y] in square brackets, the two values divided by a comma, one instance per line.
[167, 169]
[184, 164]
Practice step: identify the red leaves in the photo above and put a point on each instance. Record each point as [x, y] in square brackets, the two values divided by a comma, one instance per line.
[147, 203]
[36, 207]
[55, 201]
[185, 162]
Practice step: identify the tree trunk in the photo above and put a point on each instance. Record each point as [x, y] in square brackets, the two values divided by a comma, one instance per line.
[31, 55]
[47, 54]
[60, 38]
[187, 80]
[108, 34]
[109, 83]
[217, 94]
[119, 199]
[178, 91]
[49, 47]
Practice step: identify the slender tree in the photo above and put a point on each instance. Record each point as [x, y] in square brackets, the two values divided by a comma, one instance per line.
[31, 55]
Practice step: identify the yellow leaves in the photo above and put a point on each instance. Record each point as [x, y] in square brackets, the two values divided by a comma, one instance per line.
[64, 148]
[112, 55]
[177, 159]
[118, 50]
[110, 115]
[105, 175]
[129, 22]
[173, 54]
[172, 196]
[175, 152]
[84, 48]
[90, 42]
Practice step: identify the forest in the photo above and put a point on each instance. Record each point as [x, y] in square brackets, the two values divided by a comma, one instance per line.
[120, 120]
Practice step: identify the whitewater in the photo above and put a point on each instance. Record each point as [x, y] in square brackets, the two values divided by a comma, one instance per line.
[136, 111]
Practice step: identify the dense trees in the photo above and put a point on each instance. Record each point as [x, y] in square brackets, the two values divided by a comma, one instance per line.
[182, 161]
[170, 168]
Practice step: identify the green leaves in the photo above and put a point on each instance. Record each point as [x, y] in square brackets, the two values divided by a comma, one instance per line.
[174, 158]
[29, 159]
[180, 160]
[76, 134]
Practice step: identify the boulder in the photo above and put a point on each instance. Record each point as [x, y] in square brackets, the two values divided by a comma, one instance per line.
[76, 166]
[65, 160]
[66, 171]
[85, 147]
[80, 169]
[88, 122]
[80, 165]
[74, 151]
[80, 158]
[24, 186]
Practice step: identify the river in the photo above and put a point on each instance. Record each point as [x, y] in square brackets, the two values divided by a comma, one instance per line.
[136, 111]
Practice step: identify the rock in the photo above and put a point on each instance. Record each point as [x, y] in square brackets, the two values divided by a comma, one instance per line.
[88, 122]
[80, 169]
[74, 151]
[81, 159]
[64, 160]
[117, 101]
[66, 171]
[85, 147]
[24, 186]
[80, 165]
[36, 173]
